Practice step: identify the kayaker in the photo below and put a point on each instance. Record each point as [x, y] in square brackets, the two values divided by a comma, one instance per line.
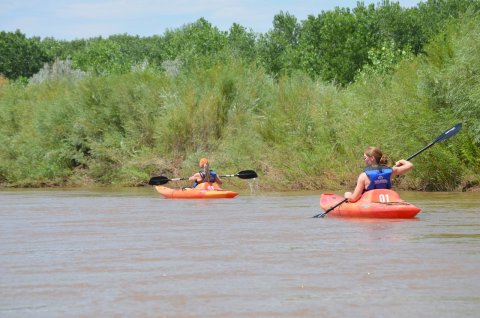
[205, 174]
[377, 175]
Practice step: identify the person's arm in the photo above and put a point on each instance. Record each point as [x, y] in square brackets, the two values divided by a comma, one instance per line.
[218, 180]
[196, 177]
[402, 166]
[357, 193]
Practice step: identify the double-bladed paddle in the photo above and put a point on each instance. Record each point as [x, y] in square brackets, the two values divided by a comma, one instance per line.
[245, 174]
[442, 137]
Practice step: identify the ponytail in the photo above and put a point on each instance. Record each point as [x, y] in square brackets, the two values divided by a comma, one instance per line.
[380, 158]
[384, 160]
[206, 171]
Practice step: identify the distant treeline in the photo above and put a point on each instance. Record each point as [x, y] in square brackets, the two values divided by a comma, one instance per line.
[298, 104]
[332, 46]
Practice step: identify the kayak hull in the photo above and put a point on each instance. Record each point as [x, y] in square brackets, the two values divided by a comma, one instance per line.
[207, 190]
[379, 203]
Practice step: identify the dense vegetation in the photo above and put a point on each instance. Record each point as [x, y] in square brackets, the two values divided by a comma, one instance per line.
[297, 104]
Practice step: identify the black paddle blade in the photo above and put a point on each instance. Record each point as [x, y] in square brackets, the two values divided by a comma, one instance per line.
[247, 174]
[443, 136]
[158, 180]
[449, 133]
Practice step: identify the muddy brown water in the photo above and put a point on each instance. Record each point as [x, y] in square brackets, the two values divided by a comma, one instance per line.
[131, 253]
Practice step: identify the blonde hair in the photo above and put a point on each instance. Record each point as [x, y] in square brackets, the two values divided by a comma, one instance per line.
[380, 158]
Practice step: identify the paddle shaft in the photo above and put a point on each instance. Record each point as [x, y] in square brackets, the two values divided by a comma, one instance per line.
[330, 209]
[420, 151]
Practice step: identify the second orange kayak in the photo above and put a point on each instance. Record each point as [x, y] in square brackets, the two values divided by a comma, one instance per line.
[206, 190]
[380, 203]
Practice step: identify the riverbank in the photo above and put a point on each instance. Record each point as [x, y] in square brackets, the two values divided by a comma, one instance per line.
[297, 132]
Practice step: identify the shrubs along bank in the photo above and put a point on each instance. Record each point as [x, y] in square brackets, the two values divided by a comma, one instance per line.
[296, 131]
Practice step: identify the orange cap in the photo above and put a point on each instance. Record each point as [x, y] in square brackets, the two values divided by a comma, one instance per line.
[203, 162]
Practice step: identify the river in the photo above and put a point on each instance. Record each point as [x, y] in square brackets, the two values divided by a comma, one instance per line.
[131, 253]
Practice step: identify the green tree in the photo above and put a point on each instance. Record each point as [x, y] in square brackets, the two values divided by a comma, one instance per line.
[241, 43]
[333, 47]
[433, 14]
[195, 44]
[279, 47]
[392, 23]
[336, 44]
[103, 57]
[19, 55]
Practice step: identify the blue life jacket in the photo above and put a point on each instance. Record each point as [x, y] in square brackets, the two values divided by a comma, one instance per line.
[213, 175]
[379, 177]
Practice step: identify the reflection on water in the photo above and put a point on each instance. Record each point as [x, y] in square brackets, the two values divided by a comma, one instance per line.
[130, 252]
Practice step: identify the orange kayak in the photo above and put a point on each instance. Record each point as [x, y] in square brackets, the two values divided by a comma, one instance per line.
[206, 190]
[379, 203]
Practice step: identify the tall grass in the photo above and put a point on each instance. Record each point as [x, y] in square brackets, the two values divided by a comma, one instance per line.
[298, 133]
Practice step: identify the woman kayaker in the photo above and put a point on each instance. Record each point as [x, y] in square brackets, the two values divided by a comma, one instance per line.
[376, 174]
[205, 174]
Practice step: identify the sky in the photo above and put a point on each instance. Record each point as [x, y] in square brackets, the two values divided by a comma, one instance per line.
[83, 19]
